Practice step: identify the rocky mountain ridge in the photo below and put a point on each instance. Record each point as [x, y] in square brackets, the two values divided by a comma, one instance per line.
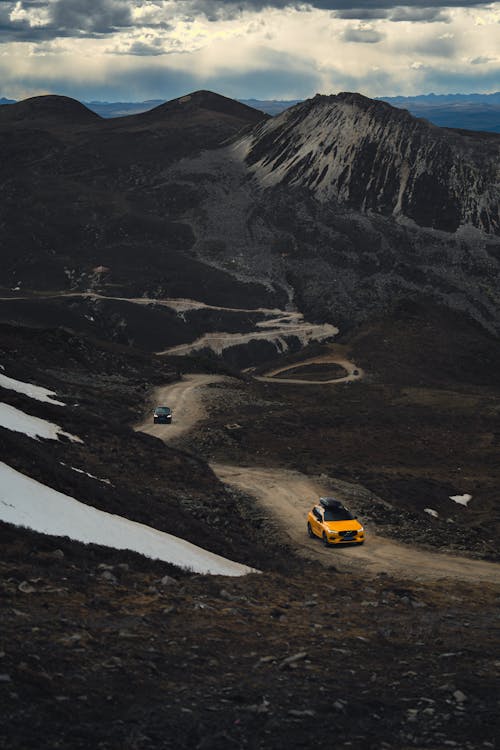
[370, 156]
[316, 210]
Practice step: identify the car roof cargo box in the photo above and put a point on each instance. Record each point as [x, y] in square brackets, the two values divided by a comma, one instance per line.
[330, 502]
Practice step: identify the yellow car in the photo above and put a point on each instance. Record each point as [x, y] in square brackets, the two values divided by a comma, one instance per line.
[334, 524]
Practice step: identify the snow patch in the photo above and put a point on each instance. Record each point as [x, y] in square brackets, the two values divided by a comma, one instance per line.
[28, 389]
[81, 471]
[26, 502]
[461, 499]
[18, 421]
[431, 512]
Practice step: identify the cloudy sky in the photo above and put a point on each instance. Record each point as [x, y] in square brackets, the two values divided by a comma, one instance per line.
[126, 50]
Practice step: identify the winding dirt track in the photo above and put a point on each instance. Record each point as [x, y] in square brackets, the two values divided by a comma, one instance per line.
[184, 398]
[286, 496]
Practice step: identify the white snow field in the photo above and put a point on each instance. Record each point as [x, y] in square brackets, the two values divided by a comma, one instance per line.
[18, 421]
[33, 391]
[26, 502]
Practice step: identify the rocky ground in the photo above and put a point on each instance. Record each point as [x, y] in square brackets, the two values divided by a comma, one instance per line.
[109, 649]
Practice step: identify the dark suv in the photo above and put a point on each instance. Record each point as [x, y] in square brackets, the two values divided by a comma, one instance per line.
[162, 415]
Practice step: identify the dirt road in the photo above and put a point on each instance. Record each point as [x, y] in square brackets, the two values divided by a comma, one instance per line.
[185, 400]
[286, 496]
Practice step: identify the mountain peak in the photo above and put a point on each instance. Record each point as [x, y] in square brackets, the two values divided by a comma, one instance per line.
[370, 156]
[210, 102]
[48, 109]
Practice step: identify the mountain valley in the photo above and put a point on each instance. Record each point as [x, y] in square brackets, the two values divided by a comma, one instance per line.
[316, 295]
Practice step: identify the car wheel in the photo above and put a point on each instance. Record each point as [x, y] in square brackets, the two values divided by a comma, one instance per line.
[310, 531]
[325, 540]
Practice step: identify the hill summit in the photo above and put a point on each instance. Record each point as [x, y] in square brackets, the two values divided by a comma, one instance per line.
[370, 156]
[48, 110]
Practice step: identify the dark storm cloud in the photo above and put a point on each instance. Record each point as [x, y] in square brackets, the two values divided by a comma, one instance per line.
[91, 16]
[419, 15]
[415, 10]
[362, 36]
[362, 6]
[403, 13]
[63, 18]
[361, 14]
[149, 49]
[482, 60]
[19, 29]
[42, 20]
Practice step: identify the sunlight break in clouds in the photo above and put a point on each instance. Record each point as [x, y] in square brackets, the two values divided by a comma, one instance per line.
[130, 50]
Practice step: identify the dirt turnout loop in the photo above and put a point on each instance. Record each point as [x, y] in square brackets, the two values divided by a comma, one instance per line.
[353, 371]
[286, 496]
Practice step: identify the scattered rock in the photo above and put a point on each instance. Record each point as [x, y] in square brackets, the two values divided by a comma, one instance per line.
[225, 594]
[127, 634]
[292, 661]
[169, 581]
[264, 660]
[108, 576]
[26, 588]
[300, 714]
[260, 708]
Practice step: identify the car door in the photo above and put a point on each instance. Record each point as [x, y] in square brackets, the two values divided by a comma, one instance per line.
[318, 521]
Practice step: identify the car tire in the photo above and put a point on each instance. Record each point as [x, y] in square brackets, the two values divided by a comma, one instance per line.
[310, 531]
[325, 540]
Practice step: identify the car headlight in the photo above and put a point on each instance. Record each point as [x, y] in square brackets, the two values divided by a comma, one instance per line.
[333, 533]
[360, 531]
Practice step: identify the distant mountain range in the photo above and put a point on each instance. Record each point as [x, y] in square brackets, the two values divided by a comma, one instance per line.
[462, 111]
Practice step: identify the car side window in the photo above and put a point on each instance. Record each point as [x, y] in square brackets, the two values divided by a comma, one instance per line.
[317, 514]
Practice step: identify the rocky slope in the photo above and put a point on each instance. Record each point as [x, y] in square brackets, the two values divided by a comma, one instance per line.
[372, 157]
[105, 648]
[317, 211]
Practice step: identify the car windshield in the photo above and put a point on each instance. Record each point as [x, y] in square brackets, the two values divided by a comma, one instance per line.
[162, 410]
[338, 514]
